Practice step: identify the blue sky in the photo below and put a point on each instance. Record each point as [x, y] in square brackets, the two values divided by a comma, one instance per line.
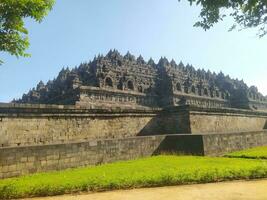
[76, 31]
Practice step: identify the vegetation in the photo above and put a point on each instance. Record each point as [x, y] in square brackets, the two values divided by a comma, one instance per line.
[13, 34]
[256, 153]
[246, 13]
[148, 172]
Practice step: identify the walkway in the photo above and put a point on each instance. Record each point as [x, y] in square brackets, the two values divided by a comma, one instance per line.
[237, 190]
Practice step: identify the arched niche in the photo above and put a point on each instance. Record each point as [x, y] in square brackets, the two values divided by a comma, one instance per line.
[206, 93]
[199, 91]
[140, 88]
[130, 85]
[211, 92]
[217, 93]
[108, 82]
[186, 89]
[178, 87]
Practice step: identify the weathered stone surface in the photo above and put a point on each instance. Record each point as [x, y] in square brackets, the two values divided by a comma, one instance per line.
[37, 125]
[223, 121]
[62, 156]
[123, 81]
[120, 108]
[219, 144]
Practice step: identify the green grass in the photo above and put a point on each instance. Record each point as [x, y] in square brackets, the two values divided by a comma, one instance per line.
[256, 153]
[147, 172]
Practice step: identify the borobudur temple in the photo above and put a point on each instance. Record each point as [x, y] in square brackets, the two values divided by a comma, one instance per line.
[114, 80]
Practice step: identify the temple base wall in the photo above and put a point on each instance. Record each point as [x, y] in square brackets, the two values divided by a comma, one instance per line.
[16, 161]
[221, 122]
[23, 131]
[219, 144]
[21, 126]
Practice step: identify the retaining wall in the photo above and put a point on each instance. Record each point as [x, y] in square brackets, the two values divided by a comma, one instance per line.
[16, 161]
[22, 124]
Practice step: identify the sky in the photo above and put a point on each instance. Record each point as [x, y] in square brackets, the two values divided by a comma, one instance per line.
[76, 31]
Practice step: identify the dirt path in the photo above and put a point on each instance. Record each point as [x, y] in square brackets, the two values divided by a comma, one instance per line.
[237, 190]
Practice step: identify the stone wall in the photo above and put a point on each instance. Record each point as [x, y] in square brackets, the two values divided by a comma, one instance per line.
[203, 101]
[212, 144]
[94, 97]
[22, 125]
[35, 126]
[257, 105]
[201, 123]
[225, 120]
[16, 161]
[219, 144]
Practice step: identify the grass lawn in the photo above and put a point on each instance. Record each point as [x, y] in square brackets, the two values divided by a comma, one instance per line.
[147, 172]
[257, 153]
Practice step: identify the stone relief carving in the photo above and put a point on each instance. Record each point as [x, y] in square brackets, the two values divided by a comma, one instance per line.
[116, 78]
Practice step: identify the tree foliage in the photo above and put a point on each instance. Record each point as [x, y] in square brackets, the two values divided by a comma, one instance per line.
[13, 34]
[246, 13]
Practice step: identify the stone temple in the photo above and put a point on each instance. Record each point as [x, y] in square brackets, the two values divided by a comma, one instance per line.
[124, 81]
[119, 108]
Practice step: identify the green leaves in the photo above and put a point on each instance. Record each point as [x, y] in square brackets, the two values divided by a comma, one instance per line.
[13, 34]
[246, 13]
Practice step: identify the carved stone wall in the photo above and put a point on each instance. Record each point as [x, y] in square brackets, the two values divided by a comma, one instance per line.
[93, 97]
[116, 80]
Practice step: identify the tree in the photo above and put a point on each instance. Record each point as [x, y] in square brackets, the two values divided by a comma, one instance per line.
[13, 34]
[246, 13]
